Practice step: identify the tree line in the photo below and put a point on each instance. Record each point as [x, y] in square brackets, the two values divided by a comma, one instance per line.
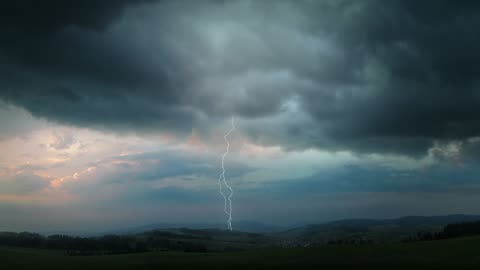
[455, 230]
[108, 244]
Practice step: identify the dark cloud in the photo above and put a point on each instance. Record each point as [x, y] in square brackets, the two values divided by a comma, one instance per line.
[69, 58]
[50, 15]
[366, 76]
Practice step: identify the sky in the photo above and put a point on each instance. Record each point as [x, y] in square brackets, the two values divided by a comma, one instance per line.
[113, 113]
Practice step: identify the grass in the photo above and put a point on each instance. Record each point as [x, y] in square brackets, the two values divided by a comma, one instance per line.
[462, 253]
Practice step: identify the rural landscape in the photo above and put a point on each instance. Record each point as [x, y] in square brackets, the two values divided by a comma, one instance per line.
[239, 134]
[439, 242]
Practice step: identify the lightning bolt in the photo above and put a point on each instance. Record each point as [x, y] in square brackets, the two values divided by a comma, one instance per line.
[222, 181]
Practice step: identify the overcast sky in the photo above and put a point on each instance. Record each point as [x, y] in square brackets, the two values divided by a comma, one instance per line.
[113, 113]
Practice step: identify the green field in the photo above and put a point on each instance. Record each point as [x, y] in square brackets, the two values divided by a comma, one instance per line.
[460, 253]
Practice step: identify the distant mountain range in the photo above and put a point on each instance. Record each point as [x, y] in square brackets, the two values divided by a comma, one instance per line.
[242, 226]
[375, 229]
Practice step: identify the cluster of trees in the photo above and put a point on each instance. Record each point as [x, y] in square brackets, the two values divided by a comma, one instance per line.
[24, 239]
[108, 244]
[450, 231]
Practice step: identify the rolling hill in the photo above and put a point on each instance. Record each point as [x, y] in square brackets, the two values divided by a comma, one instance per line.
[381, 230]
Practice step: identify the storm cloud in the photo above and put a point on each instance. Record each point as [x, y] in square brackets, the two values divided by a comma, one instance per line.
[364, 76]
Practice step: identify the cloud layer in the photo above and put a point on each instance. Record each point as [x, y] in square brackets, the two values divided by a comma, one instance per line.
[343, 108]
[369, 76]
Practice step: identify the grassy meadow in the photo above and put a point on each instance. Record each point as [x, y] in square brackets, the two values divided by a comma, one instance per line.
[461, 253]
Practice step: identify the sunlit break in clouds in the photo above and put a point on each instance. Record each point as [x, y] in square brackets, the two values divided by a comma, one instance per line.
[113, 113]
